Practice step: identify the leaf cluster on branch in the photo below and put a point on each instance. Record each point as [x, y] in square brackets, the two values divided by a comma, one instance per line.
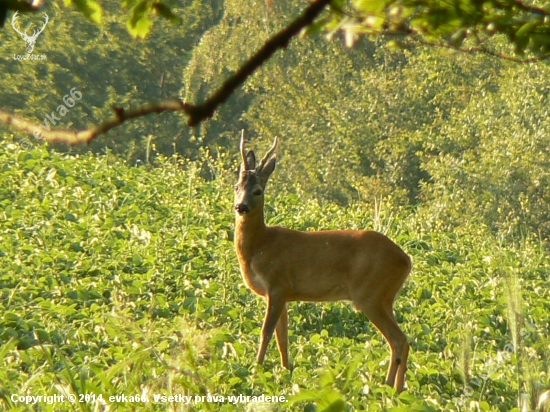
[466, 25]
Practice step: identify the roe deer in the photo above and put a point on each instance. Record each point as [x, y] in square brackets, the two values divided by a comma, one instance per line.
[285, 265]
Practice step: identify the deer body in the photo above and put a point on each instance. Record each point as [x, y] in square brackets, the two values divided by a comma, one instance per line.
[286, 265]
[322, 276]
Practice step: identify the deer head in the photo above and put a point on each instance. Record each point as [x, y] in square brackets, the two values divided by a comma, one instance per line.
[249, 190]
[30, 40]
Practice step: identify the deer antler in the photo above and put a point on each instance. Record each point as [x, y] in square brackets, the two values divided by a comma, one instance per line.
[268, 154]
[243, 152]
[37, 32]
[13, 22]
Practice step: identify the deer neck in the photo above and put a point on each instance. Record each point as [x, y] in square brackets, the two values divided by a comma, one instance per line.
[249, 232]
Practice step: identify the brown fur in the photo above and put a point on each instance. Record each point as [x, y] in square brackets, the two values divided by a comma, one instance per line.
[285, 265]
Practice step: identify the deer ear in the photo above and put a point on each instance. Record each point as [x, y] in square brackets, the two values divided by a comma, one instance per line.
[268, 168]
[251, 160]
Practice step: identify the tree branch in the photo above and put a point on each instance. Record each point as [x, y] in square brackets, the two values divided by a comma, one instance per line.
[196, 113]
[530, 8]
[418, 38]
[73, 137]
[280, 41]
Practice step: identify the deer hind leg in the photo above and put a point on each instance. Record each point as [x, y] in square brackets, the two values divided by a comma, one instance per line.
[275, 306]
[382, 317]
[281, 334]
[402, 370]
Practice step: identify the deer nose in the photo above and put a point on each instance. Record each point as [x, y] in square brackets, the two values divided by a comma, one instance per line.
[242, 208]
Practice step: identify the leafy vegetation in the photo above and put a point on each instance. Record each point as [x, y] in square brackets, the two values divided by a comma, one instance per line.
[105, 65]
[123, 280]
[117, 268]
[432, 129]
[466, 25]
[506, 29]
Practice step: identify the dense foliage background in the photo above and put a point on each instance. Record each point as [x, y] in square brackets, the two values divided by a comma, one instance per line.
[117, 270]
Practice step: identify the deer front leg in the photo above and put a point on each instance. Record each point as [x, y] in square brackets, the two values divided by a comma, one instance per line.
[281, 333]
[275, 306]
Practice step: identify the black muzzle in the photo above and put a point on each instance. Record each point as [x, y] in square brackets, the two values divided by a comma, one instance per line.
[242, 209]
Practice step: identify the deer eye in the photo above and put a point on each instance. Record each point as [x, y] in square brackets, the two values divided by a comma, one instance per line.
[236, 187]
[257, 192]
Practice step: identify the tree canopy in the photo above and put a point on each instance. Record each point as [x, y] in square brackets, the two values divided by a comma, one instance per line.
[469, 25]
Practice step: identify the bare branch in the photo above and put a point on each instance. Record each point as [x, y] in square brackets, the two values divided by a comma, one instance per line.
[73, 137]
[196, 113]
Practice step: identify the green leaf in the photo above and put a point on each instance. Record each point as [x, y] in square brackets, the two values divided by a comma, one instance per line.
[70, 217]
[11, 317]
[43, 335]
[371, 6]
[485, 406]
[91, 9]
[335, 406]
[140, 23]
[527, 28]
[77, 247]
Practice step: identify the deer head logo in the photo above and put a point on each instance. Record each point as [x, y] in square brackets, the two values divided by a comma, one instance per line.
[30, 40]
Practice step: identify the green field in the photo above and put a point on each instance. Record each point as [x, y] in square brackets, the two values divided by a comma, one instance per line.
[123, 281]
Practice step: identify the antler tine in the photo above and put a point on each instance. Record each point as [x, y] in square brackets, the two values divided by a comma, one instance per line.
[243, 152]
[47, 19]
[269, 153]
[37, 32]
[14, 21]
